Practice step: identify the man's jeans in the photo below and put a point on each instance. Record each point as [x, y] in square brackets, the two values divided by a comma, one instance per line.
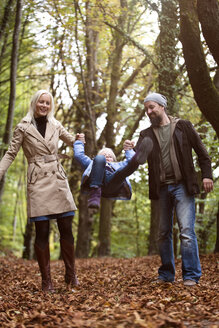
[175, 196]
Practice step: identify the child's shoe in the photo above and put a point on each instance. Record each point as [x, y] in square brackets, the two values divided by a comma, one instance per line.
[94, 198]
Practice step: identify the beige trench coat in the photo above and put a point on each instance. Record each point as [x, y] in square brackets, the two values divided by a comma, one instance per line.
[48, 190]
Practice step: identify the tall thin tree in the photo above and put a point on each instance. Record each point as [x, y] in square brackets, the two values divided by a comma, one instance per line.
[13, 75]
[5, 18]
[205, 92]
[167, 54]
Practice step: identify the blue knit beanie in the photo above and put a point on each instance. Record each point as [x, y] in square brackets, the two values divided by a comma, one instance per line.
[158, 98]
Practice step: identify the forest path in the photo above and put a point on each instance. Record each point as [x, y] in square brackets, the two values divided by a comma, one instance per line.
[113, 293]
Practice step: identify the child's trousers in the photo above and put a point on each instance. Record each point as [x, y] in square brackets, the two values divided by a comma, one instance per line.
[103, 175]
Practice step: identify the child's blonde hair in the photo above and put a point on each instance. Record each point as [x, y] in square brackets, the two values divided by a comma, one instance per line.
[108, 150]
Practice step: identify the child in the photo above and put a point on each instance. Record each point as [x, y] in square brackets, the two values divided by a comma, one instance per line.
[104, 176]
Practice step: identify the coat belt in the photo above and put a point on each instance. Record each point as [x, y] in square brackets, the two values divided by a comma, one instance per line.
[43, 158]
[46, 158]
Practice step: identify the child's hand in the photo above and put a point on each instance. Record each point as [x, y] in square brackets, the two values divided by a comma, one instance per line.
[80, 137]
[128, 145]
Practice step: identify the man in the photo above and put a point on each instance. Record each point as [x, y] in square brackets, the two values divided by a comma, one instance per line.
[172, 180]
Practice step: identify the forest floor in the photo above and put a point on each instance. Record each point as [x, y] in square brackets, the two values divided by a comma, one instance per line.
[112, 293]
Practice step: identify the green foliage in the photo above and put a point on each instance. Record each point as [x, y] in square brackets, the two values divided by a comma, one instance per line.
[54, 53]
[131, 220]
[13, 215]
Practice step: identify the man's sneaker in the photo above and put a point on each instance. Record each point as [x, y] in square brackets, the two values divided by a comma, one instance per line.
[143, 151]
[94, 198]
[189, 282]
[159, 281]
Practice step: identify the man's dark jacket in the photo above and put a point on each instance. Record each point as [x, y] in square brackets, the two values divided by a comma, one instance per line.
[185, 138]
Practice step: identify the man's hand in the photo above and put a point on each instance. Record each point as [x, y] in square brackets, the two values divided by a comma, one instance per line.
[208, 185]
[128, 145]
[80, 137]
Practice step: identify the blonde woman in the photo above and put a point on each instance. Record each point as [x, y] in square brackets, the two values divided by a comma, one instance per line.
[48, 193]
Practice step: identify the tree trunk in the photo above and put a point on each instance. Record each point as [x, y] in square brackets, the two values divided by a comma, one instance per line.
[105, 227]
[6, 16]
[115, 78]
[202, 234]
[175, 235]
[3, 50]
[105, 214]
[84, 229]
[205, 92]
[13, 74]
[88, 80]
[166, 79]
[208, 14]
[15, 207]
[137, 234]
[28, 252]
[216, 249]
[155, 210]
[167, 51]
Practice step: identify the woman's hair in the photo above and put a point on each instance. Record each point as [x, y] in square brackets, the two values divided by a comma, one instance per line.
[108, 150]
[30, 115]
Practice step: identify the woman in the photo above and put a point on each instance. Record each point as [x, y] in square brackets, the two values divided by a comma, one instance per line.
[48, 193]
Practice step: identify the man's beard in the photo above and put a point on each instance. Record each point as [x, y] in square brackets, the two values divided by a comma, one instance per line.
[155, 121]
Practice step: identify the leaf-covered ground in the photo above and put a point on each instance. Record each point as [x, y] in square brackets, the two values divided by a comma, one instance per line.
[113, 293]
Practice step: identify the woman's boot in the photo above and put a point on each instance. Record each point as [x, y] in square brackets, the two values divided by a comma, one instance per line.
[43, 258]
[68, 255]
